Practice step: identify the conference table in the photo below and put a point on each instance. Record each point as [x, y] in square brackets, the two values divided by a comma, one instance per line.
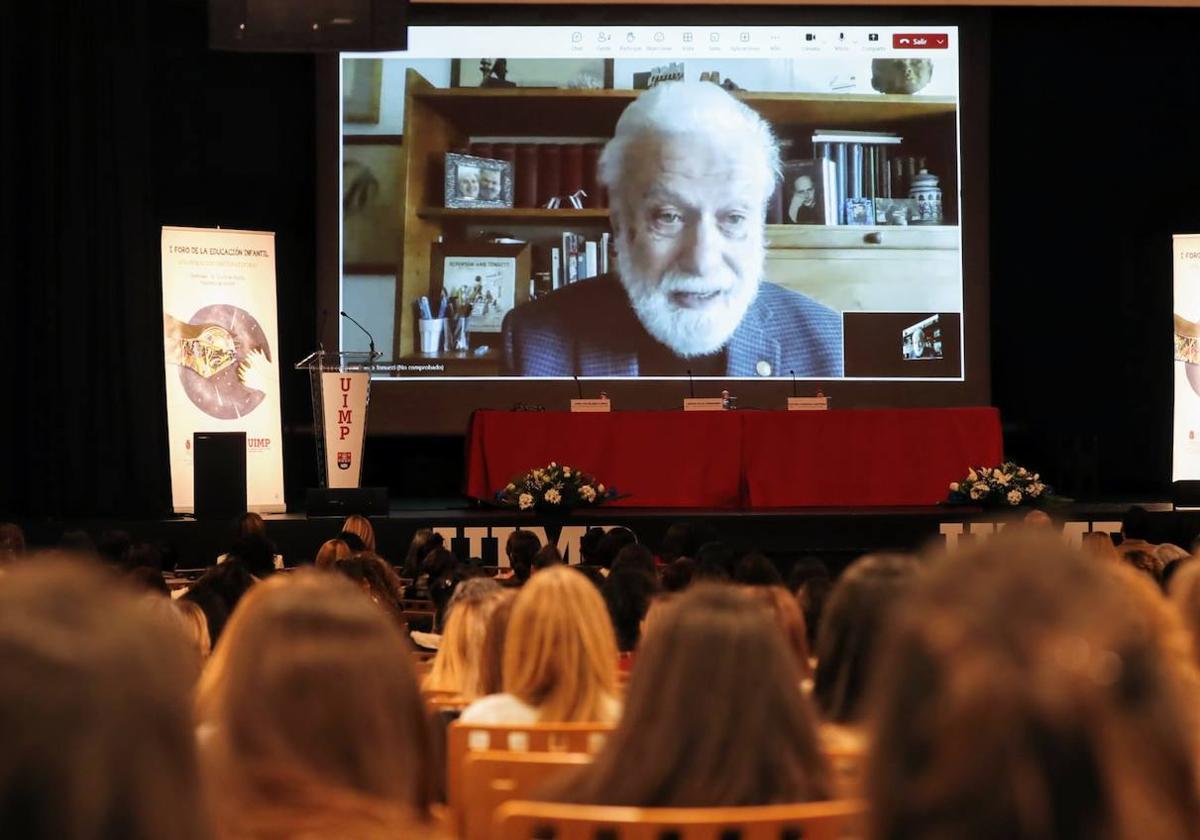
[742, 459]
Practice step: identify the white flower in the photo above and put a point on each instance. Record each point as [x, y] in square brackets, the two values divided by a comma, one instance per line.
[978, 491]
[600, 489]
[566, 472]
[1036, 489]
[525, 501]
[511, 488]
[587, 493]
[996, 474]
[1003, 478]
[553, 496]
[953, 486]
[1022, 472]
[1014, 497]
[972, 475]
[553, 464]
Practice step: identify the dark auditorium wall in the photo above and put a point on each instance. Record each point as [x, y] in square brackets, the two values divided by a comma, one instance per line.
[117, 119]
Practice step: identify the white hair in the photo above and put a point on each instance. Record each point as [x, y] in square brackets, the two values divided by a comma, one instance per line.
[688, 108]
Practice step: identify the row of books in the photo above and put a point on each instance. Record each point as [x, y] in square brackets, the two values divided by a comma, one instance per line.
[546, 170]
[576, 258]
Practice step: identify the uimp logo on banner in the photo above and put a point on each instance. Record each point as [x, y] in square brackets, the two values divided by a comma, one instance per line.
[344, 398]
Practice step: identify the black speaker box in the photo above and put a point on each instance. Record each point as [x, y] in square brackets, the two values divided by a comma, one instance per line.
[307, 25]
[343, 501]
[219, 474]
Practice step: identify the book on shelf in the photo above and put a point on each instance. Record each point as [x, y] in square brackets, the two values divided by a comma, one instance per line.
[875, 138]
[867, 165]
[525, 175]
[605, 247]
[556, 268]
[591, 259]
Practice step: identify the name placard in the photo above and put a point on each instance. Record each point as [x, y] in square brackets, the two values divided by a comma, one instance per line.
[807, 403]
[591, 406]
[704, 404]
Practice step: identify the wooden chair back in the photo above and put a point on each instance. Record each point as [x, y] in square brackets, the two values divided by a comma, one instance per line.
[491, 778]
[838, 820]
[465, 738]
[847, 767]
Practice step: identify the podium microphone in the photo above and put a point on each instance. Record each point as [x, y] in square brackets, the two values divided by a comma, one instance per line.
[578, 385]
[793, 373]
[691, 385]
[370, 337]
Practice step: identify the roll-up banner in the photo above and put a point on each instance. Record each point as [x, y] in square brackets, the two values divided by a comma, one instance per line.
[344, 400]
[221, 343]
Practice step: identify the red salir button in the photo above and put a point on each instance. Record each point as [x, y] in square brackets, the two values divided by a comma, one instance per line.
[920, 41]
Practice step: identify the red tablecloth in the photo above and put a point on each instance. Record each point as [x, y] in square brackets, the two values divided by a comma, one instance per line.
[864, 458]
[742, 458]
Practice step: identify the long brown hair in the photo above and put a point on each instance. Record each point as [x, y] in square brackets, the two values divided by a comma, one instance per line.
[853, 623]
[560, 654]
[456, 666]
[713, 715]
[96, 739]
[316, 713]
[1029, 692]
[785, 607]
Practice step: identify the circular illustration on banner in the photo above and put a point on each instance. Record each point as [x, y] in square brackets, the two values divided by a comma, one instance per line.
[223, 357]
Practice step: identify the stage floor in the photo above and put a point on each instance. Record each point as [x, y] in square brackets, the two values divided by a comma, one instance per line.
[836, 534]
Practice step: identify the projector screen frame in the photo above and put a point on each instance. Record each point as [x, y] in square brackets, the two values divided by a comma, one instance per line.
[425, 407]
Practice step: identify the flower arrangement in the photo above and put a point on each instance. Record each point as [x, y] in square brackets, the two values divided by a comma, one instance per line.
[1006, 485]
[556, 487]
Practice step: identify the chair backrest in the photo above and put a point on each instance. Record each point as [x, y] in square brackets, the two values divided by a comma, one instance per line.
[464, 738]
[838, 820]
[489, 779]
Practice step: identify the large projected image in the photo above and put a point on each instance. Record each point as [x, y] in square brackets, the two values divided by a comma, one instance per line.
[642, 203]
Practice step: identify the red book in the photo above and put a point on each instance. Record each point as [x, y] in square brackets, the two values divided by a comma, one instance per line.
[525, 176]
[505, 151]
[483, 150]
[572, 170]
[591, 183]
[549, 177]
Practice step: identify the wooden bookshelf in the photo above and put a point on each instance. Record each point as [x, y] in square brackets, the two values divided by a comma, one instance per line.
[437, 120]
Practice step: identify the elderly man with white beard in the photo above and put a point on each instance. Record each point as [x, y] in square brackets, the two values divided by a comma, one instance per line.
[689, 173]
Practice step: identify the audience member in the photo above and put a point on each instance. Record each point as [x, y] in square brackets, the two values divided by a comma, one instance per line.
[95, 725]
[714, 716]
[593, 573]
[1145, 562]
[257, 554]
[611, 545]
[627, 593]
[1135, 531]
[376, 577]
[78, 543]
[1099, 544]
[714, 561]
[547, 556]
[491, 660]
[809, 579]
[589, 547]
[635, 556]
[854, 623]
[683, 539]
[330, 552]
[360, 526]
[218, 592]
[756, 570]
[317, 728]
[560, 656]
[423, 541]
[678, 574]
[456, 666]
[249, 529]
[1037, 518]
[785, 609]
[196, 625]
[1024, 694]
[112, 546]
[1184, 591]
[520, 548]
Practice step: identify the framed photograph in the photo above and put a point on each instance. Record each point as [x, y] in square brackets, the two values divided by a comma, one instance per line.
[491, 278]
[803, 193]
[860, 211]
[478, 182]
[362, 83]
[922, 340]
[896, 211]
[574, 73]
[371, 199]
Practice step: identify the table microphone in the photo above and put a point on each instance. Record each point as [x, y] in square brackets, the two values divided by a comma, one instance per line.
[793, 373]
[691, 385]
[578, 385]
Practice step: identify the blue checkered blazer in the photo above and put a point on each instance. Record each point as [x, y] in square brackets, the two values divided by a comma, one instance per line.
[590, 329]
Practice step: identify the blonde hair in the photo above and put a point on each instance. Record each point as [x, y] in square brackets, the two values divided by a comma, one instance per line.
[330, 552]
[195, 624]
[360, 526]
[560, 653]
[316, 714]
[456, 666]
